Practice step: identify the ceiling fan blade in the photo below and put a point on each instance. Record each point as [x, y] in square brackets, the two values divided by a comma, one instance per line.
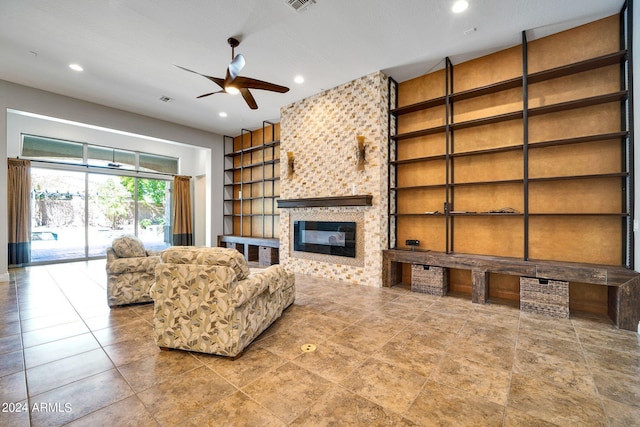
[236, 66]
[209, 94]
[249, 98]
[249, 83]
[233, 70]
[186, 69]
[216, 80]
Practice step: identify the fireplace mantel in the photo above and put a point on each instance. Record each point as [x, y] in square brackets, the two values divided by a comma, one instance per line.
[323, 202]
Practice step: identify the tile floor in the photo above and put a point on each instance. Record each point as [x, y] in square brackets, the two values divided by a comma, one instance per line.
[384, 357]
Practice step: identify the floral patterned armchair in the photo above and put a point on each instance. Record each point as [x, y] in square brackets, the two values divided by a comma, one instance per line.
[130, 271]
[207, 301]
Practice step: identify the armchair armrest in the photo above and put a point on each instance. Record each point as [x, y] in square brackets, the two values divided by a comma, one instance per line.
[275, 277]
[247, 289]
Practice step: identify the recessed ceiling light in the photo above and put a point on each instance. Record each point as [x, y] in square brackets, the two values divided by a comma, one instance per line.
[460, 6]
[298, 79]
[222, 114]
[76, 67]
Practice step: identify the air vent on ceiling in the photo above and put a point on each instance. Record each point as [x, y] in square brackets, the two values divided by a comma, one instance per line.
[164, 98]
[300, 5]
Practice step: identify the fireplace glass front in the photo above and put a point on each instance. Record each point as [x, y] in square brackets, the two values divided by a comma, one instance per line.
[325, 237]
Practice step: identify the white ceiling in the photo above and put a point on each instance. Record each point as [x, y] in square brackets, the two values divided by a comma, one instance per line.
[128, 48]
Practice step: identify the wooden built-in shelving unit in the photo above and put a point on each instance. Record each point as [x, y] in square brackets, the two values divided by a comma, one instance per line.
[539, 132]
[252, 182]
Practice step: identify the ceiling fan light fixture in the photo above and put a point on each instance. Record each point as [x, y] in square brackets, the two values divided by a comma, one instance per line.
[232, 90]
[460, 6]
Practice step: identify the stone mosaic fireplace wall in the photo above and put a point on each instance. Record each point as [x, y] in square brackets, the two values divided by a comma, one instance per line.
[321, 133]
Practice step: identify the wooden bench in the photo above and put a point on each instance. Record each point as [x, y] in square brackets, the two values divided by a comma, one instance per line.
[623, 284]
[263, 250]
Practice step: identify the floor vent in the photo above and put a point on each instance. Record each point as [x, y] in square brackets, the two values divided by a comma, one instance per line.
[300, 5]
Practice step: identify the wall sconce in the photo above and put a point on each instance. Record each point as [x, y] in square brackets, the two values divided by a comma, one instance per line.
[290, 167]
[360, 153]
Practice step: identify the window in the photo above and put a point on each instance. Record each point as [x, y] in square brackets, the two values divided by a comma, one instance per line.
[54, 150]
[69, 152]
[154, 163]
[111, 157]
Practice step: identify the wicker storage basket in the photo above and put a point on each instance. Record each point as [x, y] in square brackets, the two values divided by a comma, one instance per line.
[429, 279]
[542, 296]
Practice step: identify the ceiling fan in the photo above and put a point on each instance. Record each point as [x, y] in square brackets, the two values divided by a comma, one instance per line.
[234, 83]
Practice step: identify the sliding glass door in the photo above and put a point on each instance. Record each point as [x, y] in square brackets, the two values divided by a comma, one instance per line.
[111, 212]
[76, 215]
[57, 215]
[153, 225]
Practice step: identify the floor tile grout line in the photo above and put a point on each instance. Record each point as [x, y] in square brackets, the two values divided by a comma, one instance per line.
[588, 365]
[511, 372]
[24, 360]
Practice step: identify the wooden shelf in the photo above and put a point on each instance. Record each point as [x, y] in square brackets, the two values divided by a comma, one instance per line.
[418, 187]
[459, 214]
[613, 214]
[503, 181]
[579, 103]
[252, 149]
[412, 108]
[419, 159]
[572, 177]
[579, 140]
[487, 90]
[418, 214]
[578, 67]
[339, 201]
[253, 165]
[418, 133]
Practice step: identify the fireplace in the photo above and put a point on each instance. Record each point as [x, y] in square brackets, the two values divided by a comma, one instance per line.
[325, 237]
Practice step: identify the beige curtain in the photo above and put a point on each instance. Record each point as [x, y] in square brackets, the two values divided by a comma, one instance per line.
[182, 226]
[19, 211]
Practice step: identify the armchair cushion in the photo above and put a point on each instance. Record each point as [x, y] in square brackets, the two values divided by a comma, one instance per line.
[208, 256]
[128, 247]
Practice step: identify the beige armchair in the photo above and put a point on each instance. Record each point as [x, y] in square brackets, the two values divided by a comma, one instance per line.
[207, 301]
[130, 271]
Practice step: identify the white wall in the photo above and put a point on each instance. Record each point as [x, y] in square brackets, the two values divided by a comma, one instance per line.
[201, 152]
